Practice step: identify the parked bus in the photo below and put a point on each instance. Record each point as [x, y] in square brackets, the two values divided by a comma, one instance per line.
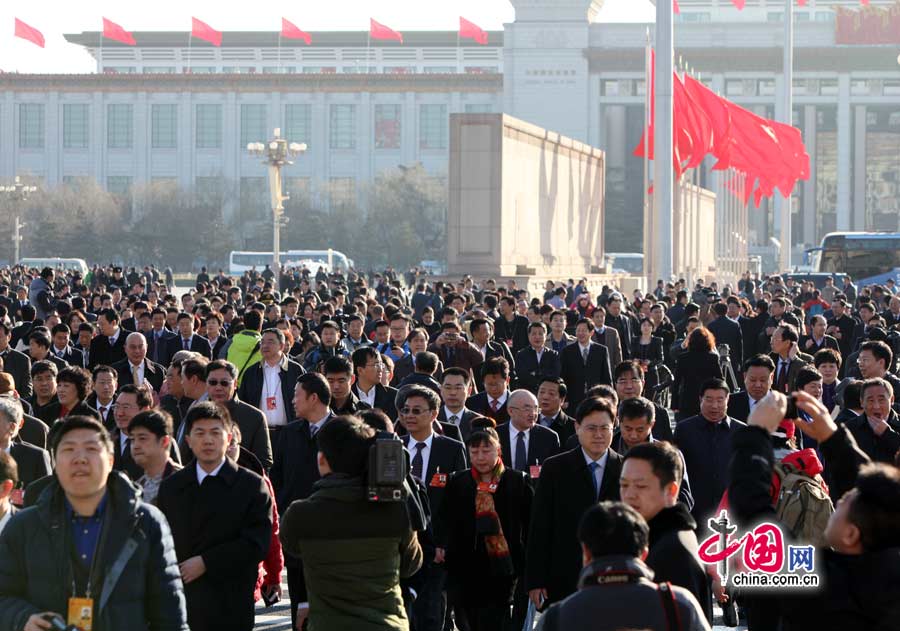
[75, 265]
[867, 257]
[330, 260]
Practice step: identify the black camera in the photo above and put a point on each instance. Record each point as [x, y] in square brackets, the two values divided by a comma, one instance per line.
[387, 469]
[58, 624]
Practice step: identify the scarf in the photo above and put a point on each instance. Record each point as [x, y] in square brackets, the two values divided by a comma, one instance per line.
[487, 523]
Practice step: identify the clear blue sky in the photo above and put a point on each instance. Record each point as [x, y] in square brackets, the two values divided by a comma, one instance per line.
[55, 17]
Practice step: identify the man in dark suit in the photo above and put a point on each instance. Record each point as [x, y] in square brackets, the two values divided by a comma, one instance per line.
[221, 520]
[453, 350]
[758, 375]
[108, 347]
[158, 337]
[621, 322]
[818, 339]
[629, 385]
[584, 364]
[752, 327]
[221, 387]
[728, 332]
[788, 359]
[454, 386]
[137, 364]
[482, 332]
[62, 349]
[269, 384]
[537, 361]
[551, 397]
[492, 401]
[511, 328]
[367, 366]
[569, 484]
[33, 462]
[524, 445]
[15, 363]
[705, 442]
[877, 429]
[131, 401]
[187, 340]
[294, 470]
[39, 344]
[434, 459]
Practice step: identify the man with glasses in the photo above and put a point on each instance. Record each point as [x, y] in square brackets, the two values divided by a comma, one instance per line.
[434, 459]
[630, 385]
[132, 399]
[221, 385]
[524, 445]
[569, 484]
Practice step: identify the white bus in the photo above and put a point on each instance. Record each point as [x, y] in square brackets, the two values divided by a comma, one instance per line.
[76, 265]
[330, 260]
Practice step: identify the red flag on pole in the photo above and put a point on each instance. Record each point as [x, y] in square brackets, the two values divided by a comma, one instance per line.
[739, 4]
[202, 30]
[675, 7]
[29, 32]
[380, 31]
[469, 30]
[802, 3]
[113, 31]
[865, 3]
[719, 119]
[290, 31]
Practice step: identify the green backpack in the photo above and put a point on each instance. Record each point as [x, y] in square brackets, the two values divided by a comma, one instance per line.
[803, 505]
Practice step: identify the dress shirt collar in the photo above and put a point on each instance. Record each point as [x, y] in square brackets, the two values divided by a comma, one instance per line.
[449, 413]
[500, 401]
[202, 475]
[601, 461]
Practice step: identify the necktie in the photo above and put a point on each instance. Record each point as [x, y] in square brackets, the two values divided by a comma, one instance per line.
[454, 419]
[126, 450]
[521, 457]
[103, 412]
[544, 421]
[782, 375]
[494, 405]
[313, 430]
[134, 376]
[186, 344]
[417, 461]
[584, 353]
[594, 466]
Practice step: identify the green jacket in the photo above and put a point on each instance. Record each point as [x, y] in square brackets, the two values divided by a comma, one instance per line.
[243, 351]
[354, 553]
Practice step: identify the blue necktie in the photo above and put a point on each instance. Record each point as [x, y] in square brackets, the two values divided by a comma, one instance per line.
[593, 467]
[521, 457]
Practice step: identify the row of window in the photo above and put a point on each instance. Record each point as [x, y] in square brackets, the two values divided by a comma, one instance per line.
[342, 129]
[359, 67]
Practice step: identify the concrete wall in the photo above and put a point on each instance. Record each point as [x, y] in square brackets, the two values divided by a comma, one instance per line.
[694, 238]
[523, 200]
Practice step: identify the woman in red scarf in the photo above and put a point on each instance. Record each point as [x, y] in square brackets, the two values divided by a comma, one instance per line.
[485, 513]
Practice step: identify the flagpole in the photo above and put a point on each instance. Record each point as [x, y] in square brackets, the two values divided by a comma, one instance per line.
[648, 215]
[279, 52]
[787, 118]
[190, 39]
[663, 130]
[458, 54]
[100, 63]
[368, 43]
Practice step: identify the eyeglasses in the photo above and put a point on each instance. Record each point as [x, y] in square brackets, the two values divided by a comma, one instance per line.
[216, 382]
[413, 411]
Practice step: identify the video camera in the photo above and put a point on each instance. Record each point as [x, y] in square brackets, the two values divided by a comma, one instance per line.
[387, 469]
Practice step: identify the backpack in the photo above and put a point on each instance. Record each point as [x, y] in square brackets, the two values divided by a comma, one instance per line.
[802, 503]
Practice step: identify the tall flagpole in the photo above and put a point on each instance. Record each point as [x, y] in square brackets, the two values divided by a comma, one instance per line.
[663, 131]
[100, 63]
[190, 40]
[788, 118]
[648, 213]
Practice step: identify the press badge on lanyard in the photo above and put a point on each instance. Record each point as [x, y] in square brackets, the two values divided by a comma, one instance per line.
[81, 613]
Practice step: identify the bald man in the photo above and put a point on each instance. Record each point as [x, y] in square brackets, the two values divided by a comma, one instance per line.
[525, 444]
[136, 368]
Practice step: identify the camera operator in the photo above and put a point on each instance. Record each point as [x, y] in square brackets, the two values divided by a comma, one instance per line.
[354, 551]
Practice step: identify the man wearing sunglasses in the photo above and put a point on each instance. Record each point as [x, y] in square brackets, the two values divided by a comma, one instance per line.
[434, 459]
[221, 384]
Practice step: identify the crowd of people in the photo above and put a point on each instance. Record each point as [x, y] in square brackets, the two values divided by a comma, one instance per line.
[165, 458]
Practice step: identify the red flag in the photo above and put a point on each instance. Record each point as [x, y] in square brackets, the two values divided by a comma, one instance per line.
[739, 4]
[676, 8]
[865, 3]
[468, 30]
[29, 32]
[719, 118]
[202, 30]
[290, 31]
[802, 3]
[113, 31]
[380, 31]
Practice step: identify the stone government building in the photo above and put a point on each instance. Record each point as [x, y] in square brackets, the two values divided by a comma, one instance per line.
[364, 109]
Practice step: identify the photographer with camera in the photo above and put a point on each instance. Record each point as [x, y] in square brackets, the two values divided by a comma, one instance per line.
[354, 550]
